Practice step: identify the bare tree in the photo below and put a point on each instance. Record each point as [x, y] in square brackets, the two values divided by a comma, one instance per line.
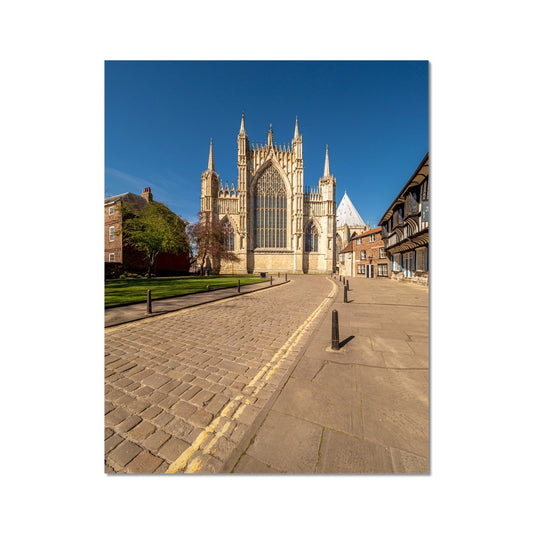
[208, 238]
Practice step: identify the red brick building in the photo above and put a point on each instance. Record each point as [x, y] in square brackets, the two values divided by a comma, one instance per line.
[365, 256]
[119, 258]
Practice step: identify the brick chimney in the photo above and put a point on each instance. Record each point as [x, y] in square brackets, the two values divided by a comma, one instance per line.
[147, 194]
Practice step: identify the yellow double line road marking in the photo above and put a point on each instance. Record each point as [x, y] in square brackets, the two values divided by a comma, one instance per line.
[183, 463]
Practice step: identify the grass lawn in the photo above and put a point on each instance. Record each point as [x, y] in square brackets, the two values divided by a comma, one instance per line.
[122, 291]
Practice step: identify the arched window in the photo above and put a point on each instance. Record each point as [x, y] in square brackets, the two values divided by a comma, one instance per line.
[338, 247]
[229, 236]
[270, 210]
[311, 238]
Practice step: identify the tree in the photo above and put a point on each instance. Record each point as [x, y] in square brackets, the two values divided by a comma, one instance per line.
[152, 229]
[208, 237]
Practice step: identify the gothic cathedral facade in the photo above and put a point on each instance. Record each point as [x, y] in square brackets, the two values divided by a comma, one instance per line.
[272, 222]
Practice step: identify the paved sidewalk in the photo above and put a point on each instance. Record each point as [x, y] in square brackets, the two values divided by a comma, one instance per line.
[363, 409]
[129, 313]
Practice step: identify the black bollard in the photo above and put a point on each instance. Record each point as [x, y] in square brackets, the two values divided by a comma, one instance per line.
[345, 294]
[348, 284]
[238, 285]
[278, 274]
[334, 330]
[285, 276]
[149, 301]
[270, 280]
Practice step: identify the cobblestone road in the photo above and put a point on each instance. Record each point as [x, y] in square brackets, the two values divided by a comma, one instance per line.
[183, 390]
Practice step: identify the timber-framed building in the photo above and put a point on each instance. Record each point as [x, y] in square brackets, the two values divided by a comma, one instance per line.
[405, 228]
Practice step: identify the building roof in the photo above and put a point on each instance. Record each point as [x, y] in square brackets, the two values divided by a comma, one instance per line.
[350, 246]
[419, 175]
[130, 197]
[368, 232]
[113, 199]
[347, 213]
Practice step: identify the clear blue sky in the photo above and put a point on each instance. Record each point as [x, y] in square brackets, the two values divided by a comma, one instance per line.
[160, 115]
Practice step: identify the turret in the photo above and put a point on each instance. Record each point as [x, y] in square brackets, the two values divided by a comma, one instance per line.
[297, 142]
[211, 162]
[326, 163]
[243, 157]
[210, 186]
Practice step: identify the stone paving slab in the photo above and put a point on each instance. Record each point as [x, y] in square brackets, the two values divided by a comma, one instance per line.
[328, 406]
[287, 444]
[342, 454]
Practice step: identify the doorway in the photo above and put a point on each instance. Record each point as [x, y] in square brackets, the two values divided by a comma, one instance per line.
[369, 271]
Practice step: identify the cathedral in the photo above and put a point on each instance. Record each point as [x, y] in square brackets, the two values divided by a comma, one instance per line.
[272, 222]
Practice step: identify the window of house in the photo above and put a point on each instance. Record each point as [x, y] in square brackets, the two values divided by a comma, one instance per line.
[360, 269]
[363, 254]
[111, 258]
[397, 262]
[382, 254]
[373, 237]
[382, 270]
[414, 202]
[111, 233]
[421, 259]
[358, 241]
[111, 210]
[424, 190]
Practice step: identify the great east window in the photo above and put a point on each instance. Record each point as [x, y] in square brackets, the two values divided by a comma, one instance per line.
[270, 210]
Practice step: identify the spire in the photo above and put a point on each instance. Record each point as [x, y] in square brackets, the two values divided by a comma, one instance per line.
[326, 164]
[211, 164]
[347, 213]
[296, 132]
[242, 130]
[270, 136]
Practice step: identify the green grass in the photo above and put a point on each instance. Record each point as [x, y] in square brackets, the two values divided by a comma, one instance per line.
[124, 291]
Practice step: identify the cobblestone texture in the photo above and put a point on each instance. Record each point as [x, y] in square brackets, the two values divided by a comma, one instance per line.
[173, 374]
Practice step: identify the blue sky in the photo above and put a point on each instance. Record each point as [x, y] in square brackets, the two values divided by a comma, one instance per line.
[160, 115]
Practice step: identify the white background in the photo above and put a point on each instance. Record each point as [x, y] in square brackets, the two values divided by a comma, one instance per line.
[52, 168]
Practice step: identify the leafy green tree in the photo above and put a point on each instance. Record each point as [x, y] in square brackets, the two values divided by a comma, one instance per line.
[152, 229]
